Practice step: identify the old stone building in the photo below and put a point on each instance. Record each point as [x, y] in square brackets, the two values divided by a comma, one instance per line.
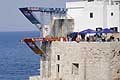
[81, 61]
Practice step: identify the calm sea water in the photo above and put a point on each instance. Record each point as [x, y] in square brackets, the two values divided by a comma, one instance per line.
[17, 61]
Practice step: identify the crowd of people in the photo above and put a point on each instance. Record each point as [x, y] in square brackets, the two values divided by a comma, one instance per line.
[98, 37]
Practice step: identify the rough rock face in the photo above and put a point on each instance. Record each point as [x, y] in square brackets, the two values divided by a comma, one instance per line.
[83, 61]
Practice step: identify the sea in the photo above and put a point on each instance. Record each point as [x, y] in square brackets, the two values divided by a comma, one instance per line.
[17, 61]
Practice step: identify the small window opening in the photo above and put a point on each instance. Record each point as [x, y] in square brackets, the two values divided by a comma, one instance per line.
[58, 57]
[91, 15]
[75, 68]
[117, 3]
[111, 13]
[90, 0]
[60, 78]
[58, 68]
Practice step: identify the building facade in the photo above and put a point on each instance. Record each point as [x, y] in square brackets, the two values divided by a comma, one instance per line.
[81, 61]
[93, 14]
[84, 60]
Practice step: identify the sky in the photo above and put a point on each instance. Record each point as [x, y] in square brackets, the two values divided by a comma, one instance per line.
[11, 19]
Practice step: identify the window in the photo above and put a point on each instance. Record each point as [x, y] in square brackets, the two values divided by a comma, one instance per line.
[117, 3]
[58, 57]
[111, 13]
[91, 15]
[58, 68]
[75, 68]
[90, 0]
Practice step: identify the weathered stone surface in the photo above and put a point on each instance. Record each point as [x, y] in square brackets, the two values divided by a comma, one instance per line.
[94, 60]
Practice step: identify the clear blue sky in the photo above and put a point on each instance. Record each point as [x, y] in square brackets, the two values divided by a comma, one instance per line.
[11, 19]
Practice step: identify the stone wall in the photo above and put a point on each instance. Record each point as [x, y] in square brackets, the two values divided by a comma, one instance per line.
[83, 61]
[97, 61]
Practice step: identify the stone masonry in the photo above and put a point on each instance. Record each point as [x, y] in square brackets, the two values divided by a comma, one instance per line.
[81, 61]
